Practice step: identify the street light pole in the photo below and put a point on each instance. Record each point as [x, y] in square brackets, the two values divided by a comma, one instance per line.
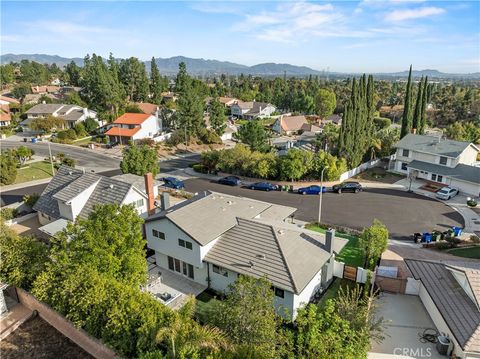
[321, 195]
[51, 159]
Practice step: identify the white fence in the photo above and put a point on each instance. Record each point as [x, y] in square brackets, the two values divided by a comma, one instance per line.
[364, 166]
[361, 275]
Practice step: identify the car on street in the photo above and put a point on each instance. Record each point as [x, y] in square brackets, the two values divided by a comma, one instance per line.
[173, 182]
[314, 189]
[354, 187]
[263, 186]
[230, 181]
[446, 193]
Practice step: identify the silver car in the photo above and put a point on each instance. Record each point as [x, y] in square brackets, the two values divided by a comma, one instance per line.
[446, 193]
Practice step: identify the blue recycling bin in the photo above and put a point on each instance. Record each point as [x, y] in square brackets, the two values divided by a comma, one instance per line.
[457, 231]
[34, 140]
[427, 237]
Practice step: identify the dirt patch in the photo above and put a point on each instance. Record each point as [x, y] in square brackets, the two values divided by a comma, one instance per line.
[37, 339]
[378, 174]
[164, 151]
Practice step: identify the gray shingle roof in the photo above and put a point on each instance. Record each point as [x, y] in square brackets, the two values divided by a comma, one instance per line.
[44, 108]
[289, 256]
[137, 181]
[433, 145]
[461, 171]
[457, 309]
[68, 182]
[219, 211]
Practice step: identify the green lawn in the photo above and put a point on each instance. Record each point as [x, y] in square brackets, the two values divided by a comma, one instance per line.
[206, 304]
[472, 252]
[351, 254]
[332, 291]
[34, 171]
[83, 141]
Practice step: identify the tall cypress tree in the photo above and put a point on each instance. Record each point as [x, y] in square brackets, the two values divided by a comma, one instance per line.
[407, 109]
[155, 82]
[417, 115]
[423, 113]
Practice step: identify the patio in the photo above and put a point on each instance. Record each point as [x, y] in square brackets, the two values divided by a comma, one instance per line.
[406, 319]
[170, 288]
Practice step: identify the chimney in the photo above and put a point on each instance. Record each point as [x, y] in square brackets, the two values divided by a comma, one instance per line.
[329, 237]
[165, 201]
[149, 189]
[85, 112]
[414, 131]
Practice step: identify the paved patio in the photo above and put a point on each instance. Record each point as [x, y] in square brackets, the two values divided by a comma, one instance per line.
[406, 319]
[170, 288]
[30, 227]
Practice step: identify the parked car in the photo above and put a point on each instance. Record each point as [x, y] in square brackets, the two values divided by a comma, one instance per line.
[314, 189]
[173, 182]
[230, 181]
[263, 186]
[446, 193]
[354, 187]
[112, 144]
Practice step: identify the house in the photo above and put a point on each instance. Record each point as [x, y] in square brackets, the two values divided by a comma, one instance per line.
[133, 127]
[227, 101]
[71, 114]
[230, 128]
[43, 90]
[242, 236]
[148, 108]
[5, 117]
[251, 110]
[450, 292]
[4, 100]
[289, 125]
[439, 160]
[335, 119]
[168, 96]
[73, 194]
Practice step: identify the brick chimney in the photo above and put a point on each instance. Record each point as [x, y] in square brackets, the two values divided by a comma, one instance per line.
[329, 238]
[150, 197]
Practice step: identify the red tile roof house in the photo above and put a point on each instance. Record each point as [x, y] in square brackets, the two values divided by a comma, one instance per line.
[133, 127]
[5, 118]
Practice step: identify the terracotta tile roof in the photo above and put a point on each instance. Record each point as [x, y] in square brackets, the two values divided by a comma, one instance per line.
[9, 99]
[124, 132]
[132, 118]
[293, 123]
[146, 107]
[5, 113]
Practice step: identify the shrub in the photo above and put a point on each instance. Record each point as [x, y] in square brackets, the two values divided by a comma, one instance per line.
[472, 203]
[208, 137]
[475, 239]
[442, 245]
[146, 141]
[8, 213]
[197, 167]
[176, 138]
[31, 199]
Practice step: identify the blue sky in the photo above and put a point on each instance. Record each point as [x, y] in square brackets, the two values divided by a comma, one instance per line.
[360, 36]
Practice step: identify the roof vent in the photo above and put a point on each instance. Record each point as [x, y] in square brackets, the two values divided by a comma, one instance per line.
[250, 263]
[111, 186]
[70, 172]
[261, 256]
[230, 202]
[251, 207]
[281, 231]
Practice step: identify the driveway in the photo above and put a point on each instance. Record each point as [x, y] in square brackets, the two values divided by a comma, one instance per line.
[403, 213]
[406, 320]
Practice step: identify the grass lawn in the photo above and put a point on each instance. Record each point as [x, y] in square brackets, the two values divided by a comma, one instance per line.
[83, 141]
[332, 291]
[206, 304]
[472, 252]
[34, 171]
[351, 254]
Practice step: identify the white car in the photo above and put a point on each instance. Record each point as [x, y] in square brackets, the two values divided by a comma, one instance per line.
[446, 193]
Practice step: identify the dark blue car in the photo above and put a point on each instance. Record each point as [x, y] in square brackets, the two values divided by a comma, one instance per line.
[311, 190]
[173, 182]
[230, 181]
[263, 186]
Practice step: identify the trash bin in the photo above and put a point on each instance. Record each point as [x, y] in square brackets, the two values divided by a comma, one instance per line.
[443, 344]
[417, 237]
[427, 237]
[34, 140]
[25, 139]
[457, 231]
[436, 236]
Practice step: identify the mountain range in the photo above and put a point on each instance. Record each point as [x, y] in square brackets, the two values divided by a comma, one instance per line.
[169, 67]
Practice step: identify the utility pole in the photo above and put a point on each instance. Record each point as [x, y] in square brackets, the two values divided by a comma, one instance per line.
[51, 159]
[320, 197]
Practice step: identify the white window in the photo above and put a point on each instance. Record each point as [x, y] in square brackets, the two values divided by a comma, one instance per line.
[220, 270]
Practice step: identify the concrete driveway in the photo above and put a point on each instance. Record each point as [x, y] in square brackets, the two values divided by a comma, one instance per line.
[403, 213]
[406, 319]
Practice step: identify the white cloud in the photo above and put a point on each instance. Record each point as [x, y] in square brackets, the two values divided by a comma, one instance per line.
[408, 14]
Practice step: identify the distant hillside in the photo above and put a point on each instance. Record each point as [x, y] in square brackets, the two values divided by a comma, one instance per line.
[169, 66]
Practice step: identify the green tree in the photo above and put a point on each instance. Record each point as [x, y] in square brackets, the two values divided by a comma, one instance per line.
[325, 101]
[21, 90]
[182, 79]
[90, 125]
[190, 108]
[47, 124]
[327, 140]
[217, 116]
[247, 316]
[407, 116]
[8, 167]
[463, 131]
[374, 241]
[295, 164]
[140, 160]
[417, 114]
[134, 78]
[156, 83]
[423, 108]
[253, 134]
[74, 98]
[73, 74]
[23, 154]
[7, 74]
[23, 258]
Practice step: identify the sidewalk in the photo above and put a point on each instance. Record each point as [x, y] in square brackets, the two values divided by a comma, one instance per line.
[11, 187]
[458, 203]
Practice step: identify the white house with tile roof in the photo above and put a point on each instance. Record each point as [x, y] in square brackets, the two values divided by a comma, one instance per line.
[213, 238]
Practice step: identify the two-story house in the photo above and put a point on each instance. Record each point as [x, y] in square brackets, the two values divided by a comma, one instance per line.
[439, 160]
[73, 193]
[133, 127]
[213, 238]
[251, 110]
[70, 114]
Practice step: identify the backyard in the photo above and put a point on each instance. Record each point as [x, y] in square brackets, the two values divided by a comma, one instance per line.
[206, 303]
[34, 171]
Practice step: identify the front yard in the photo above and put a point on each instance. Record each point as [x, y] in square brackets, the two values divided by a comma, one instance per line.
[378, 174]
[351, 254]
[470, 252]
[34, 171]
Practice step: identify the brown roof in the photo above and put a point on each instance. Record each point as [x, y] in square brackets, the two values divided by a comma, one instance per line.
[458, 309]
[5, 113]
[227, 100]
[45, 89]
[124, 132]
[308, 127]
[9, 99]
[132, 118]
[293, 123]
[146, 107]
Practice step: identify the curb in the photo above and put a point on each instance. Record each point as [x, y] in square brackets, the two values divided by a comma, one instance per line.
[24, 184]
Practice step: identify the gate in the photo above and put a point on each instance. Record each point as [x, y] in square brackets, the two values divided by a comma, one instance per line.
[350, 273]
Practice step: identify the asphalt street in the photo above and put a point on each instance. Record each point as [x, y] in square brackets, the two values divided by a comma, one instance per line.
[83, 157]
[403, 213]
